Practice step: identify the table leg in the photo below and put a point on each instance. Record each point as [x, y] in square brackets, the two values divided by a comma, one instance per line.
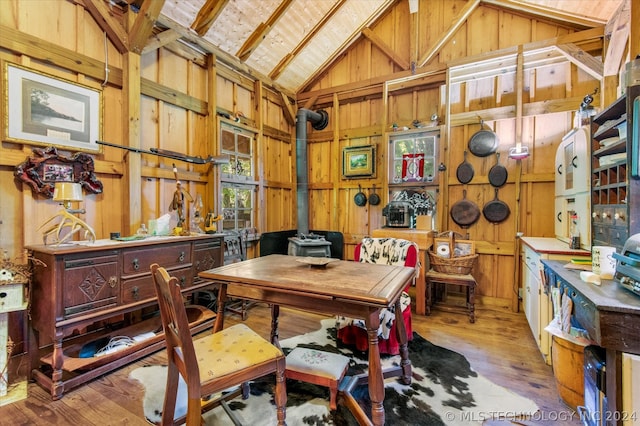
[222, 298]
[401, 334]
[376, 379]
[275, 312]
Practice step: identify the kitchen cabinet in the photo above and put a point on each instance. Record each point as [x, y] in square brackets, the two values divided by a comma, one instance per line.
[615, 195]
[535, 297]
[572, 187]
[610, 315]
[85, 294]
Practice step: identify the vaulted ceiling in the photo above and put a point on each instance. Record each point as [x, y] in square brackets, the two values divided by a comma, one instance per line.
[289, 42]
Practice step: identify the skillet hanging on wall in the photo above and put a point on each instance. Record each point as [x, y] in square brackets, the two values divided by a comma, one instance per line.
[465, 171]
[483, 142]
[464, 212]
[498, 173]
[374, 199]
[360, 199]
[496, 211]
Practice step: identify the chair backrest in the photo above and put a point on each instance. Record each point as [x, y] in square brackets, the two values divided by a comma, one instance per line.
[175, 323]
[388, 251]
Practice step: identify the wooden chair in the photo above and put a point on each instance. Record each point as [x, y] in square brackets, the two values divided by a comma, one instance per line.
[214, 363]
[387, 251]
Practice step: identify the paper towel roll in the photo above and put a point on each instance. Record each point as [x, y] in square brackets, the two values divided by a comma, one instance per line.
[443, 251]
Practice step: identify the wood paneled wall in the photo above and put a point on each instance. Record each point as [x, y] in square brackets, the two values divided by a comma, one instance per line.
[361, 112]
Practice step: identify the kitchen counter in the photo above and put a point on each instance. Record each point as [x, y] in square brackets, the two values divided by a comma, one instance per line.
[552, 246]
[424, 240]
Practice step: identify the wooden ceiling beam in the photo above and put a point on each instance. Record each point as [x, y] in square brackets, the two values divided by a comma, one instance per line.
[207, 16]
[105, 19]
[582, 59]
[546, 12]
[163, 38]
[262, 30]
[457, 22]
[619, 29]
[275, 73]
[142, 27]
[384, 47]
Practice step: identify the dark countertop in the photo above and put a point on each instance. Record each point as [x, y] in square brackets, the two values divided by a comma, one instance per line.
[608, 296]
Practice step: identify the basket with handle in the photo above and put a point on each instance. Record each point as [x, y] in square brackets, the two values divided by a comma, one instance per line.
[461, 265]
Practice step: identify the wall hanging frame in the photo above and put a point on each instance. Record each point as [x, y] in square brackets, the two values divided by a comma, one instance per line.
[46, 167]
[359, 161]
[46, 110]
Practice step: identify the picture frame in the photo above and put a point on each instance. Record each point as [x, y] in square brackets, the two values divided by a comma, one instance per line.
[461, 247]
[359, 161]
[45, 110]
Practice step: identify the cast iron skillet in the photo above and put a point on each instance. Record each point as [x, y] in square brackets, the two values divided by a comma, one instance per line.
[464, 212]
[496, 211]
[483, 142]
[360, 199]
[374, 199]
[465, 171]
[498, 173]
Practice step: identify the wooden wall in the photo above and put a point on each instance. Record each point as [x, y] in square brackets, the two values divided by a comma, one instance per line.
[368, 89]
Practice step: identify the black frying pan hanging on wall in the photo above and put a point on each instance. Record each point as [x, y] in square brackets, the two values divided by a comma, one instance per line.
[496, 211]
[498, 173]
[464, 212]
[483, 142]
[465, 171]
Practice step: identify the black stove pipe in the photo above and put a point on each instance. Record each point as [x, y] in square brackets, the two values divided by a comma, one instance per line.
[319, 120]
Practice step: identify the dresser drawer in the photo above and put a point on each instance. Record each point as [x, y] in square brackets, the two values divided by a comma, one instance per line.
[207, 255]
[89, 283]
[139, 260]
[141, 288]
[532, 259]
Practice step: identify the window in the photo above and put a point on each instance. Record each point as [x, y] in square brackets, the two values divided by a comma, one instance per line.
[413, 158]
[238, 182]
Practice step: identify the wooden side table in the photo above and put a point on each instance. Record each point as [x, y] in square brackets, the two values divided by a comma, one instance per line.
[423, 239]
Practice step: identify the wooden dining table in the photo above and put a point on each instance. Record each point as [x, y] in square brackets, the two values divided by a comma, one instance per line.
[354, 289]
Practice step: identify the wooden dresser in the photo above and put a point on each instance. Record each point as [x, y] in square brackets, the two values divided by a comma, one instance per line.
[89, 293]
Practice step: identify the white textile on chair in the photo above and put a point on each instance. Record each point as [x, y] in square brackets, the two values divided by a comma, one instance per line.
[385, 251]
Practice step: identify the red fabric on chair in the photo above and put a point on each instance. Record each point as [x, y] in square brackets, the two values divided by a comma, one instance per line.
[357, 336]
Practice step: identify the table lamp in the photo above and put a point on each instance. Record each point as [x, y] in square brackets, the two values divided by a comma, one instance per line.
[66, 193]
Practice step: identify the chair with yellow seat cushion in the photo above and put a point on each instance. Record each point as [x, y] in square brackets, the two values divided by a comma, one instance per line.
[211, 364]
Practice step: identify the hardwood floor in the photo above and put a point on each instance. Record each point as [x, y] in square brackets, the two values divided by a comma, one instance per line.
[499, 346]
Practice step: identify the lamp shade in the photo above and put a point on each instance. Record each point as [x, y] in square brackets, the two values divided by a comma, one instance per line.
[67, 191]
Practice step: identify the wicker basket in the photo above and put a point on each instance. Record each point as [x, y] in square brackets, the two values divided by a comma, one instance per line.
[461, 265]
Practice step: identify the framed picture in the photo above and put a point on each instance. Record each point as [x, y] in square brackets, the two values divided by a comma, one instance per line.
[359, 161]
[45, 110]
[461, 248]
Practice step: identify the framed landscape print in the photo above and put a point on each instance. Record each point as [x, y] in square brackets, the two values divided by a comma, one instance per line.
[45, 110]
[358, 161]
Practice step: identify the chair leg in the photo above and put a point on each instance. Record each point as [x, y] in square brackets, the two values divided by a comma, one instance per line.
[170, 395]
[194, 412]
[280, 395]
[428, 296]
[472, 302]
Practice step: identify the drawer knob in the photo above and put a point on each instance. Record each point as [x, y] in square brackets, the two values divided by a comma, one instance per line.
[604, 215]
[113, 280]
[135, 292]
[136, 264]
[183, 281]
[181, 257]
[595, 215]
[618, 216]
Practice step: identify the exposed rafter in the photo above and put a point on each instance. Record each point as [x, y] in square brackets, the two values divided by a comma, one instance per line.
[207, 15]
[259, 34]
[546, 12]
[142, 27]
[163, 38]
[380, 44]
[288, 58]
[105, 19]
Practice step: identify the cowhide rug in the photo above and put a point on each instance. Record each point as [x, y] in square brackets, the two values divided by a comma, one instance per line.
[444, 390]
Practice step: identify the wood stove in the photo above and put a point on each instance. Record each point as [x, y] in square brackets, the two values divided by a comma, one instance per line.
[312, 245]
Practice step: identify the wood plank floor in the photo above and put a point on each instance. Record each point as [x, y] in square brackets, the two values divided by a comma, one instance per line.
[499, 346]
